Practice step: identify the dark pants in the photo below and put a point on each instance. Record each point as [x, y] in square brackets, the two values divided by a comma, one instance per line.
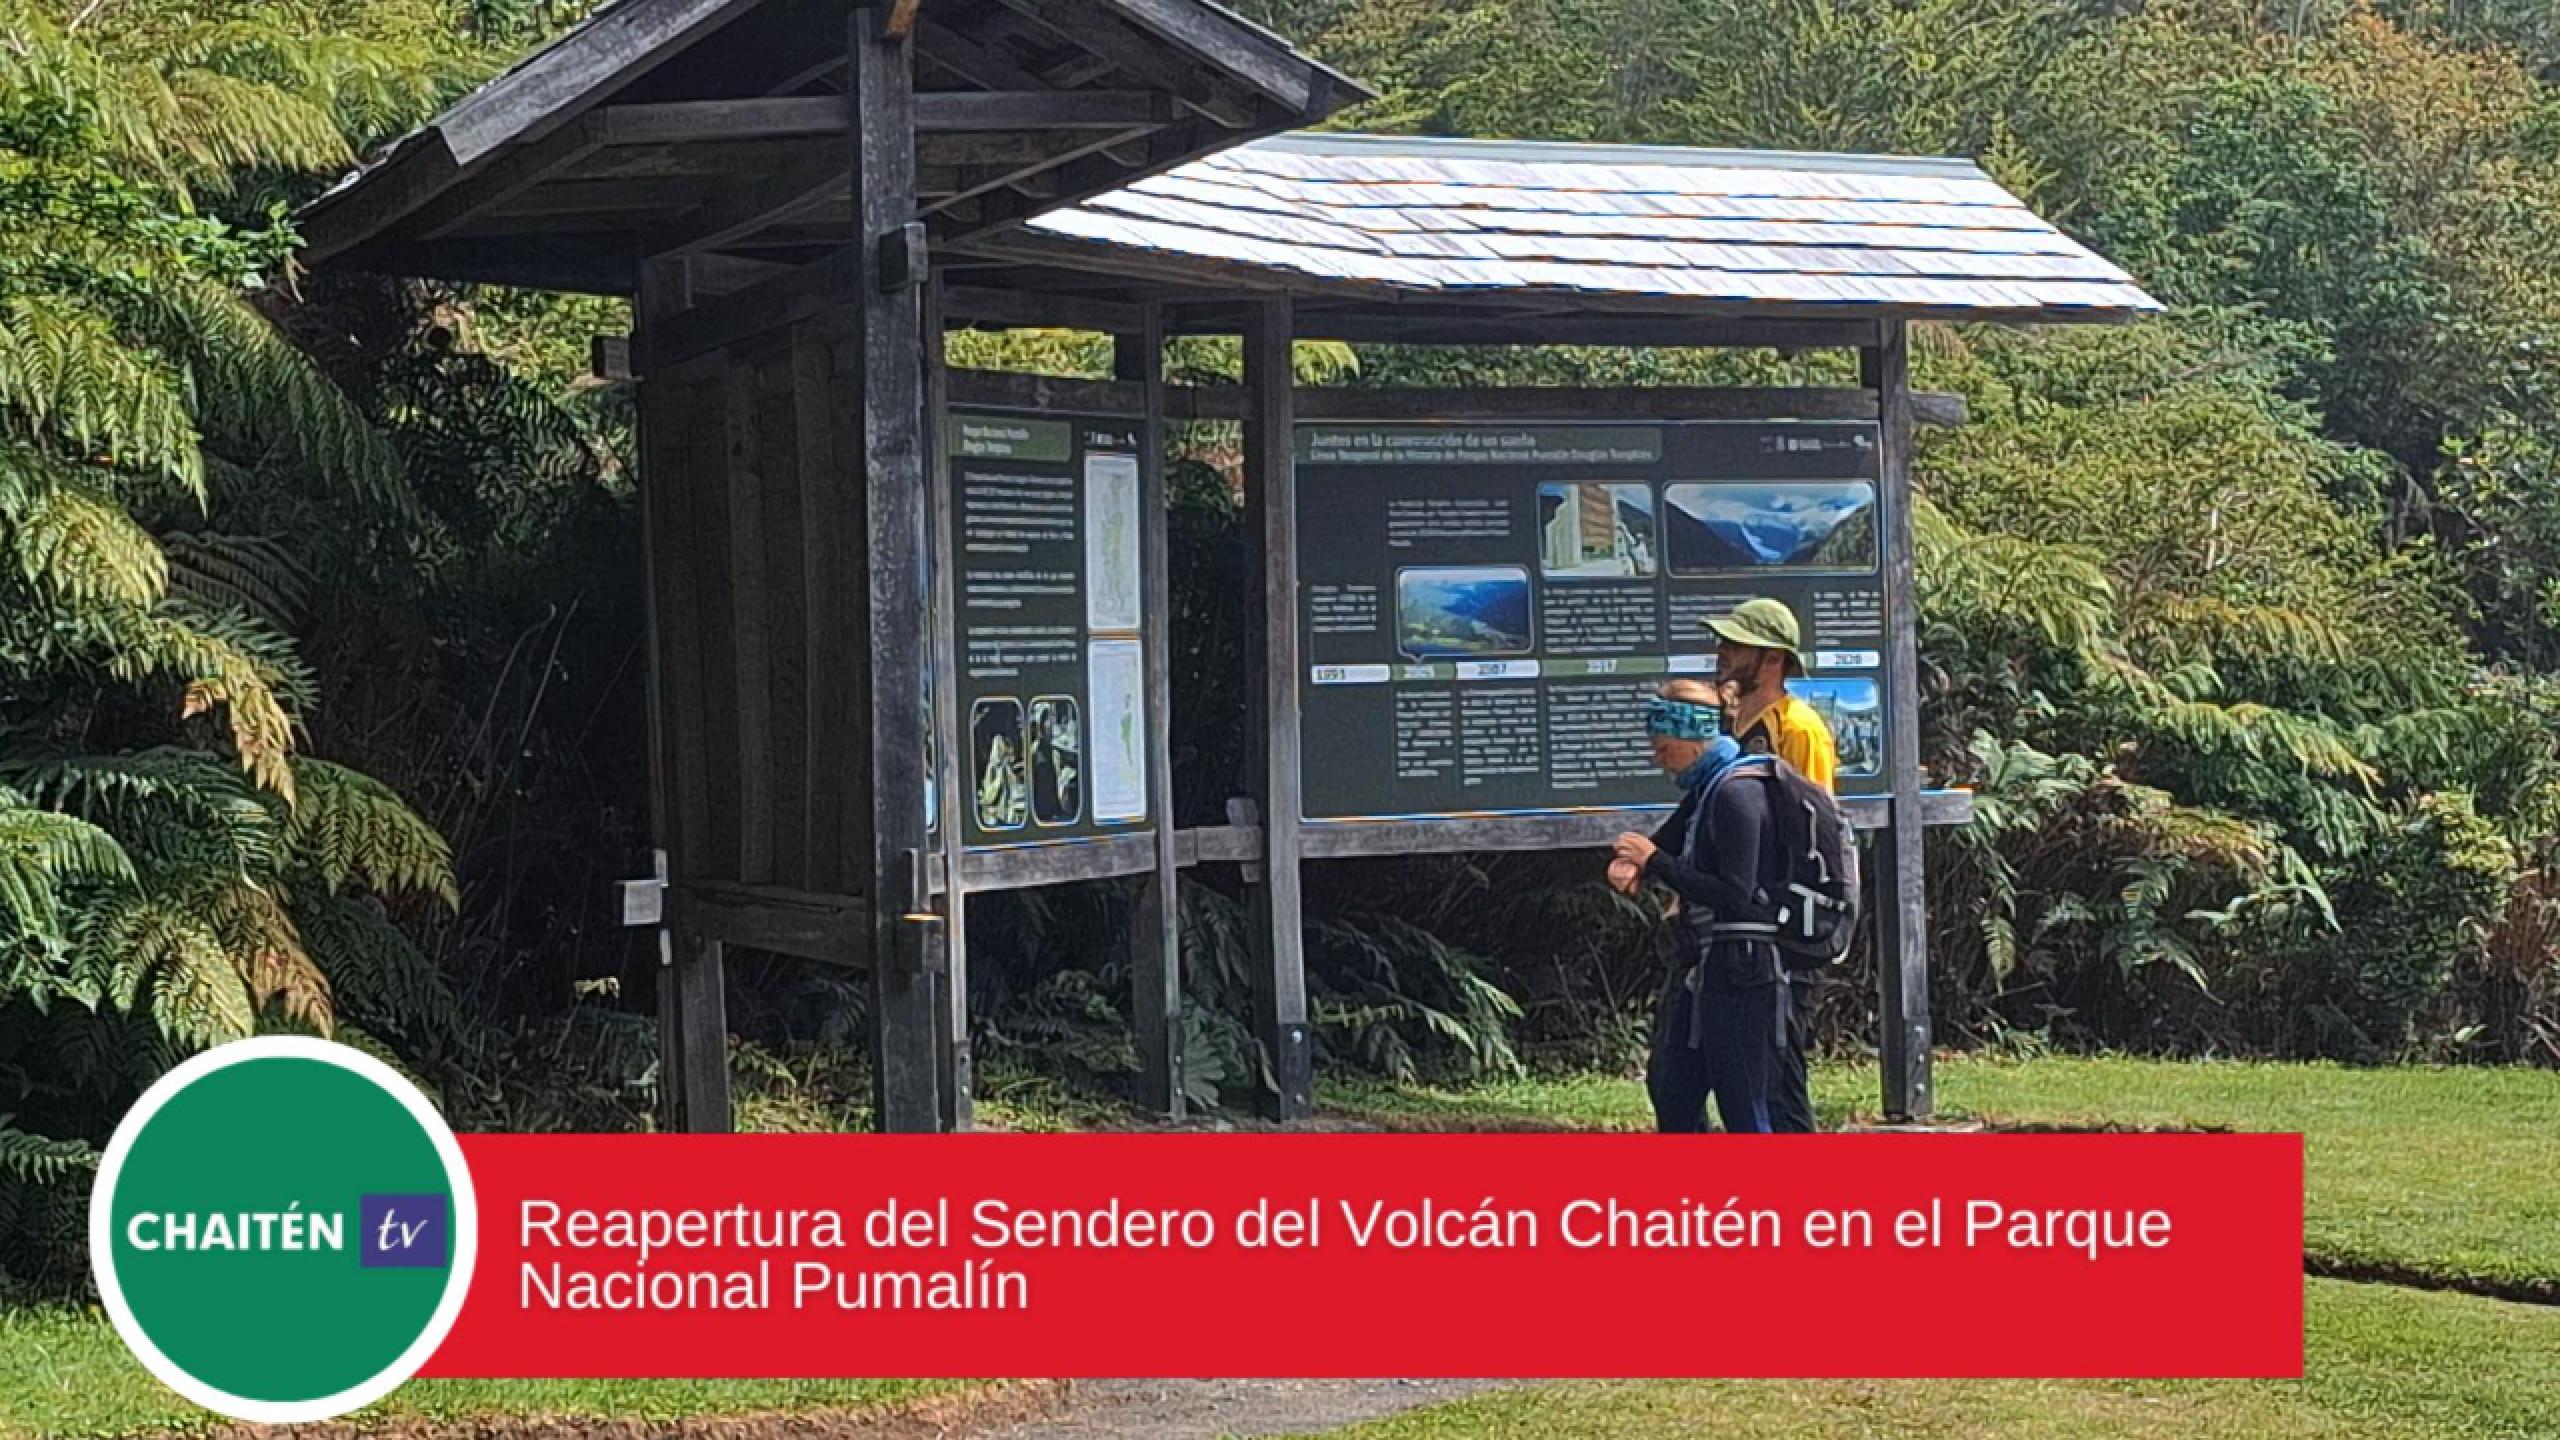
[1751, 1061]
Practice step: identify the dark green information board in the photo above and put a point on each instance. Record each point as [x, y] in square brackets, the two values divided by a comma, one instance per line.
[1050, 578]
[1483, 608]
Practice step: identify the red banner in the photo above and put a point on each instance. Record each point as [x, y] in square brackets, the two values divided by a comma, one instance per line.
[1383, 1255]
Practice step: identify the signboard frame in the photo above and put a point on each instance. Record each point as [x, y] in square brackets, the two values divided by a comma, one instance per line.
[1398, 517]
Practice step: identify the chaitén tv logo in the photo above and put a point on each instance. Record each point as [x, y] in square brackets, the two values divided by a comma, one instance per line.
[282, 1229]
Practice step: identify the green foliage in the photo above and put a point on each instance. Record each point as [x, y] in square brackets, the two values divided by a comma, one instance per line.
[173, 873]
[2411, 906]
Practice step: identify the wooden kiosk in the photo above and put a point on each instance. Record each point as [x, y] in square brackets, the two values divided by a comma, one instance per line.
[910, 626]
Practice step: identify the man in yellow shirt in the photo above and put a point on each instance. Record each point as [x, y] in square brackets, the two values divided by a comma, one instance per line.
[1758, 647]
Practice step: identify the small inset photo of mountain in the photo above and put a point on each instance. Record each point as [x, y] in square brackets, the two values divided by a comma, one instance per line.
[1463, 611]
[1813, 526]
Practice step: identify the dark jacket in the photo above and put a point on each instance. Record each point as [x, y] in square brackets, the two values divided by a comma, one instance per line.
[1733, 877]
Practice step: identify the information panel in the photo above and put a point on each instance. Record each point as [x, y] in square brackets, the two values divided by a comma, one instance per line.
[1483, 608]
[1051, 585]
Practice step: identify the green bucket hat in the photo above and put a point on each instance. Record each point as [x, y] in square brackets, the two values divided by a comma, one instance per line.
[1765, 624]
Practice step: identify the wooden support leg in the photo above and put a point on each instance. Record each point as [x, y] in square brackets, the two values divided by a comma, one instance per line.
[1279, 921]
[907, 1008]
[670, 1037]
[1902, 891]
[953, 1065]
[702, 1020]
[1155, 922]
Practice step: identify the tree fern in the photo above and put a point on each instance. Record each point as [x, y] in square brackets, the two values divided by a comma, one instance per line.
[42, 1159]
[41, 853]
[73, 546]
[349, 829]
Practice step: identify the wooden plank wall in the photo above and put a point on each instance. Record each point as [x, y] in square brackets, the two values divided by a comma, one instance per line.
[751, 453]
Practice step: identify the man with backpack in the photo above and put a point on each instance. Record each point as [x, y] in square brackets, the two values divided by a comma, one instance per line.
[1765, 878]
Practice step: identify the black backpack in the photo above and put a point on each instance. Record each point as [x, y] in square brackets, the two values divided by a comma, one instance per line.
[1816, 915]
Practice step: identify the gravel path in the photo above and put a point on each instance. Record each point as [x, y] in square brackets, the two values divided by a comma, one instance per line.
[1210, 1409]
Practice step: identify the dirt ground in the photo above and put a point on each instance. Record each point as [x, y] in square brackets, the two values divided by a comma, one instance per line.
[1208, 1409]
[1029, 1410]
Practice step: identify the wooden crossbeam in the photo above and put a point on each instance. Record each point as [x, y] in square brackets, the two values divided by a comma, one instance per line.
[782, 117]
[796, 185]
[503, 180]
[1099, 28]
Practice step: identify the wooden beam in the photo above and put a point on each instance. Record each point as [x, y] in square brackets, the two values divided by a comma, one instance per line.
[663, 288]
[1039, 111]
[950, 733]
[1104, 30]
[1027, 310]
[1029, 867]
[905, 1012]
[503, 180]
[702, 1082]
[830, 929]
[1589, 829]
[1015, 151]
[709, 122]
[1560, 402]
[1901, 887]
[1010, 390]
[796, 185]
[1234, 49]
[1271, 647]
[1036, 181]
[974, 60]
[581, 265]
[1093, 173]
[611, 51]
[1155, 926]
[793, 295]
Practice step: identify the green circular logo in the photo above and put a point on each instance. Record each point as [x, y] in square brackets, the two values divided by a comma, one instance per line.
[282, 1229]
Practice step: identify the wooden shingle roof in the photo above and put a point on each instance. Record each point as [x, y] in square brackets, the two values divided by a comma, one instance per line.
[1709, 232]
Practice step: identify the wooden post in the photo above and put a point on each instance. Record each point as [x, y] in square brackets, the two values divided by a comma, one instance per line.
[906, 1016]
[693, 1017]
[1902, 909]
[950, 742]
[1155, 925]
[1271, 645]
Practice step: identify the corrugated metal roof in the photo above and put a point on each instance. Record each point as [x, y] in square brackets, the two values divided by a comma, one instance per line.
[1717, 231]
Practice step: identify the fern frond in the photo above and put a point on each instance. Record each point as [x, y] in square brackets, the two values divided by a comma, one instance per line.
[124, 946]
[68, 378]
[73, 545]
[257, 388]
[42, 852]
[379, 978]
[248, 573]
[183, 809]
[43, 1159]
[199, 1000]
[351, 829]
[220, 663]
[282, 979]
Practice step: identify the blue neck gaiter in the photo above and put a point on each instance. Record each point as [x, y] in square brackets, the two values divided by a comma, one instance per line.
[1720, 754]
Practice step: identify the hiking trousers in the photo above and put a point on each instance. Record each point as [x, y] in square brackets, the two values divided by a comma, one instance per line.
[1749, 1059]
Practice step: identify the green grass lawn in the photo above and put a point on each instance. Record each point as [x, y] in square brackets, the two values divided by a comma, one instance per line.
[2446, 1173]
[2384, 1363]
[63, 1374]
